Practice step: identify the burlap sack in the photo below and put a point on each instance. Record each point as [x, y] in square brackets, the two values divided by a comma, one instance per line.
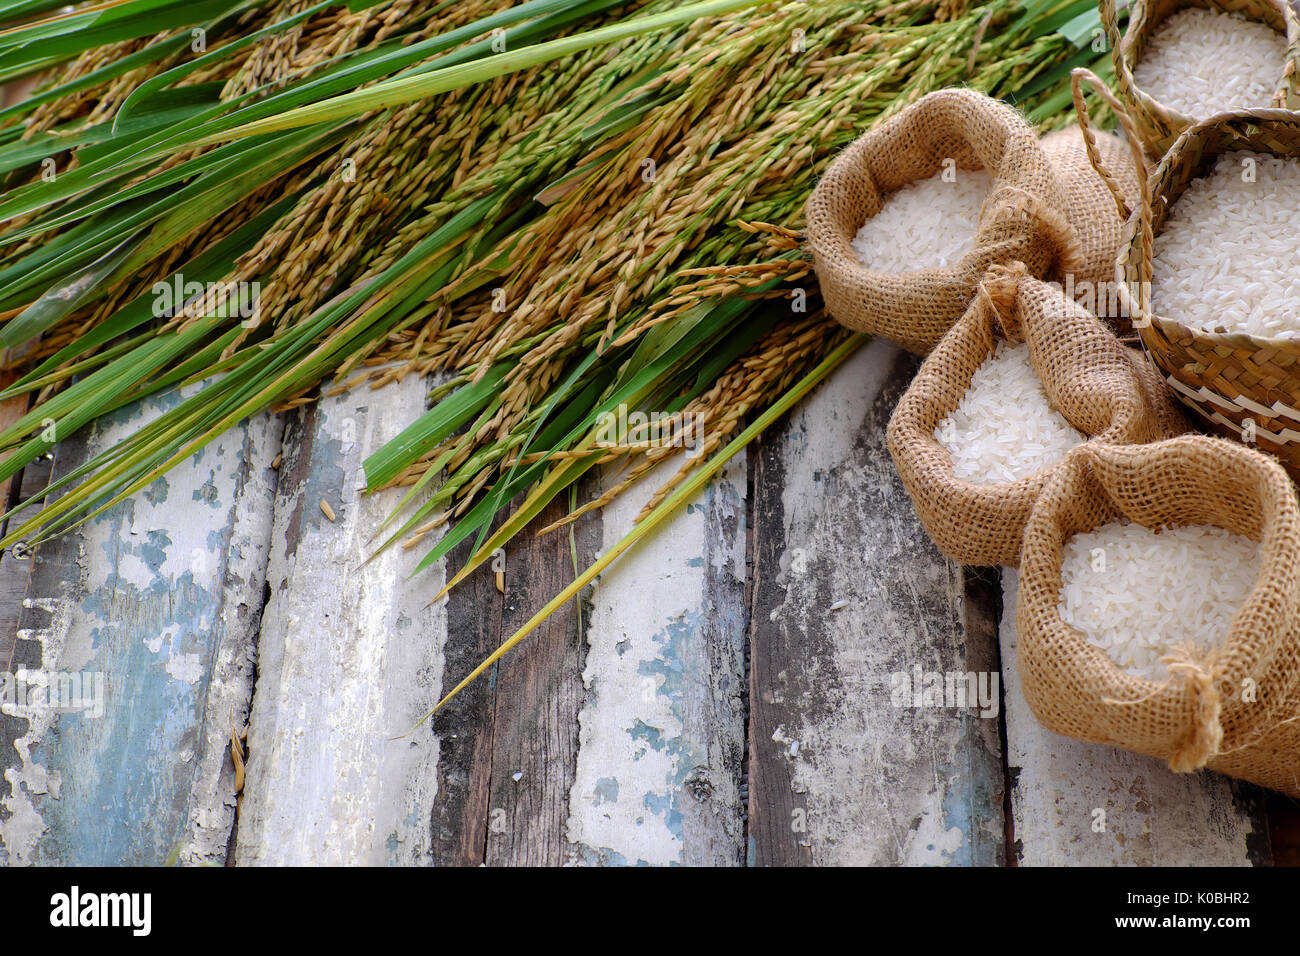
[1200, 717]
[1100, 387]
[1023, 219]
[1095, 217]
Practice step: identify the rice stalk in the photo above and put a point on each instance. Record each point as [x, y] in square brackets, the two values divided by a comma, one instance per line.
[555, 238]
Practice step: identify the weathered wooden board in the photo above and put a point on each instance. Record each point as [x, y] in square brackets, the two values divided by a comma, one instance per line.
[536, 693]
[155, 605]
[508, 743]
[15, 569]
[461, 811]
[851, 604]
[349, 658]
[662, 730]
[1082, 804]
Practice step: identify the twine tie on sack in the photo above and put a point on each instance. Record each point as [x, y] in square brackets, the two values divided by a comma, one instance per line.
[1011, 203]
[1207, 733]
[997, 291]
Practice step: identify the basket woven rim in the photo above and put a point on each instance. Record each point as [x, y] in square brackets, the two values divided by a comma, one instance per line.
[1156, 113]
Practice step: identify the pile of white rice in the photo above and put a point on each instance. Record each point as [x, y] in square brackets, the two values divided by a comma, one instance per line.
[926, 224]
[1138, 594]
[1227, 256]
[1004, 428]
[1201, 62]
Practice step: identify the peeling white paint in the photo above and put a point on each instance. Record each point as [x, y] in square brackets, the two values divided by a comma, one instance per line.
[187, 668]
[351, 657]
[872, 784]
[648, 677]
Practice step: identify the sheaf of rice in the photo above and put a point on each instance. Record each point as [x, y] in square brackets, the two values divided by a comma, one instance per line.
[1229, 254]
[1200, 62]
[1004, 428]
[1139, 594]
[928, 223]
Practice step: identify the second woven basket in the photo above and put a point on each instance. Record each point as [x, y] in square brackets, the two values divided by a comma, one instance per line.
[1245, 386]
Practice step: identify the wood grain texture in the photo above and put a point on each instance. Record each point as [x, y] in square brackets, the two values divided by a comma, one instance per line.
[1083, 804]
[15, 570]
[1283, 829]
[521, 717]
[662, 729]
[155, 603]
[850, 599]
[536, 695]
[349, 659]
[460, 816]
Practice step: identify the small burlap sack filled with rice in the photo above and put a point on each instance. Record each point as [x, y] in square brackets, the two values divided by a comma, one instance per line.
[1200, 716]
[1023, 218]
[1101, 389]
[1047, 209]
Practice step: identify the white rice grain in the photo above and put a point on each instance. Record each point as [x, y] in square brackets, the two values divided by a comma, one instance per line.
[1201, 62]
[1139, 594]
[929, 223]
[1004, 428]
[1227, 258]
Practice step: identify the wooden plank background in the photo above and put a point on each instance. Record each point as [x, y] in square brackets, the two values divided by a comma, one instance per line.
[723, 694]
[154, 604]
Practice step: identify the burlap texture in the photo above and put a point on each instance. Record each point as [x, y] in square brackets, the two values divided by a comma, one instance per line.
[1023, 219]
[1101, 388]
[1197, 718]
[1093, 215]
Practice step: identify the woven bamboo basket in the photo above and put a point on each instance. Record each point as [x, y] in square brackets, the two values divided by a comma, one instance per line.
[1245, 387]
[1159, 125]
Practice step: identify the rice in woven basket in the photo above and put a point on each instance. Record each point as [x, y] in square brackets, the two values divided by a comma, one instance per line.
[1158, 123]
[1244, 386]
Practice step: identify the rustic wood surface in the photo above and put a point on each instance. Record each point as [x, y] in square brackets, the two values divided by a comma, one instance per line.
[338, 772]
[723, 694]
[661, 744]
[154, 605]
[849, 592]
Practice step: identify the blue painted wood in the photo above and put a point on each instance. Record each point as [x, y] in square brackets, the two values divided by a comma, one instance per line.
[662, 727]
[154, 604]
